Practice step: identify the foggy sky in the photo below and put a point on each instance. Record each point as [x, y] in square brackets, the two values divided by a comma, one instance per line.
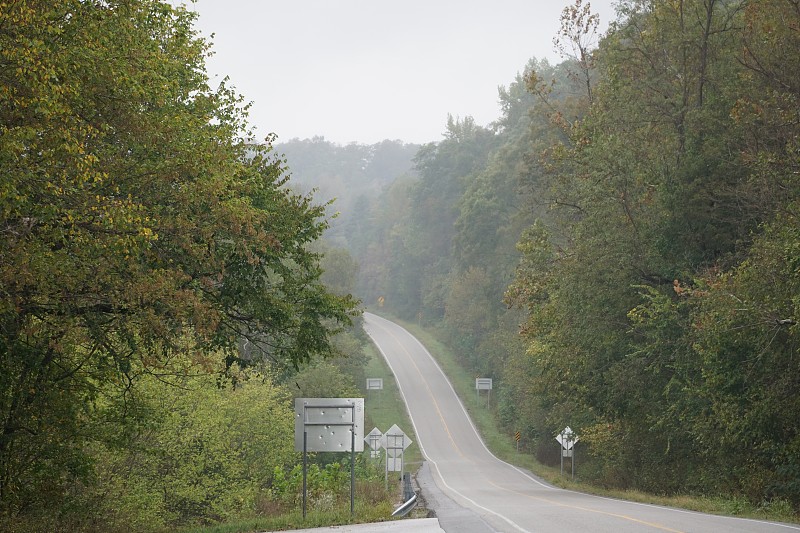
[369, 70]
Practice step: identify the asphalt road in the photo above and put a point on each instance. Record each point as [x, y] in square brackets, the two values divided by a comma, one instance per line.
[501, 496]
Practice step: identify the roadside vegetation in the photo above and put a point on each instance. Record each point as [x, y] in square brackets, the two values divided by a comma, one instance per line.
[619, 251]
[329, 474]
[503, 446]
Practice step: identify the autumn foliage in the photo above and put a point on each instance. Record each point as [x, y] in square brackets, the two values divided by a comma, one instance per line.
[143, 234]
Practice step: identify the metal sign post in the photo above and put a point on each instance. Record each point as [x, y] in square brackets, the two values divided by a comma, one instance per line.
[374, 384]
[483, 384]
[567, 440]
[395, 442]
[329, 425]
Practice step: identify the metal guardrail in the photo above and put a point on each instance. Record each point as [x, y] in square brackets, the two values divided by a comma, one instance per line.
[408, 490]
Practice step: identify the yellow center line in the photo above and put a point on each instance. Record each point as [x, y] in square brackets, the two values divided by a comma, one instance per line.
[430, 392]
[587, 509]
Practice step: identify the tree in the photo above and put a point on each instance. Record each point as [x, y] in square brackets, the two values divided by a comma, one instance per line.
[660, 291]
[141, 231]
[577, 39]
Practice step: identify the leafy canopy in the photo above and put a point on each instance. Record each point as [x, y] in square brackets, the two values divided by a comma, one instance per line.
[142, 229]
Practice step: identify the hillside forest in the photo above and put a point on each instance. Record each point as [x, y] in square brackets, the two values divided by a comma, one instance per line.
[619, 250]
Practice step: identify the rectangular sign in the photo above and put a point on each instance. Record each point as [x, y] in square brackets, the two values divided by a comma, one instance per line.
[330, 424]
[483, 383]
[394, 464]
[374, 383]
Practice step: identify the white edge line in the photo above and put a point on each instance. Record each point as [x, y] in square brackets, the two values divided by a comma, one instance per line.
[419, 439]
[475, 430]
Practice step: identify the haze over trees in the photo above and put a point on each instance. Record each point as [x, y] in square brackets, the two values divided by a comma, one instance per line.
[634, 211]
[619, 250]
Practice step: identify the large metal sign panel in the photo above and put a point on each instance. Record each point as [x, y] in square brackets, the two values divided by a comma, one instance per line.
[329, 423]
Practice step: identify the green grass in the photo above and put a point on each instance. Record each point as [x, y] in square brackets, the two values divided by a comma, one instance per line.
[364, 512]
[383, 408]
[503, 446]
[386, 407]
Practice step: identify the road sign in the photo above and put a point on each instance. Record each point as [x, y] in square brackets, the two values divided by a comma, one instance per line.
[567, 438]
[483, 383]
[374, 383]
[395, 441]
[330, 424]
[373, 440]
[517, 435]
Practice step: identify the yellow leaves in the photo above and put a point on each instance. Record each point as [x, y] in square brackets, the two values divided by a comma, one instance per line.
[148, 233]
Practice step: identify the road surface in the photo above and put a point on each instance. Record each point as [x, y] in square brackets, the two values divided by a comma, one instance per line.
[503, 497]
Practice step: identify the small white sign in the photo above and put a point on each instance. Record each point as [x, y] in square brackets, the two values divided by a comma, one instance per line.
[567, 438]
[394, 441]
[373, 439]
[374, 383]
[394, 464]
[483, 383]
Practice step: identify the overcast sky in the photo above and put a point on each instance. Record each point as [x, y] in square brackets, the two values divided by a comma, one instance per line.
[369, 70]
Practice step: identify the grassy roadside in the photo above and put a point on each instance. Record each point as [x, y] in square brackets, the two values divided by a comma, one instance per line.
[504, 447]
[364, 512]
[383, 408]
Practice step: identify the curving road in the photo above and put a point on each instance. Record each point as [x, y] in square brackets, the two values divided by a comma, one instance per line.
[503, 497]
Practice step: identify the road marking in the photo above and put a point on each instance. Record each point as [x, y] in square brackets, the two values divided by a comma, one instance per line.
[458, 399]
[419, 438]
[427, 386]
[578, 507]
[518, 470]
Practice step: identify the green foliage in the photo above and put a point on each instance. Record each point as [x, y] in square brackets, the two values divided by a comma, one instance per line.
[323, 485]
[143, 236]
[203, 454]
[650, 185]
[660, 291]
[353, 175]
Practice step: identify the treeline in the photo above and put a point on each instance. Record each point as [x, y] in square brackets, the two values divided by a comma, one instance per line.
[634, 213]
[163, 293]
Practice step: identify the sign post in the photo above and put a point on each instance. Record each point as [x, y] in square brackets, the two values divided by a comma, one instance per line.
[373, 440]
[374, 384]
[329, 425]
[483, 384]
[395, 442]
[567, 440]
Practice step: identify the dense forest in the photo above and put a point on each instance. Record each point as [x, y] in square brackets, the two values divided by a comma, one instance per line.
[620, 250]
[163, 293]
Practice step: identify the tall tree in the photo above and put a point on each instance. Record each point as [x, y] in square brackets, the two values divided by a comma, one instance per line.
[140, 231]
